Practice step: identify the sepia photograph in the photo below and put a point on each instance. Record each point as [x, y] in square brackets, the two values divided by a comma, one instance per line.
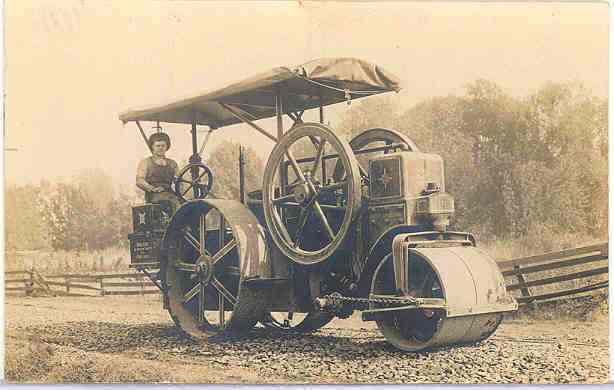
[306, 192]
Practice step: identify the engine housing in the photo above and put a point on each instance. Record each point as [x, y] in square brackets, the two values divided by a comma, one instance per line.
[407, 188]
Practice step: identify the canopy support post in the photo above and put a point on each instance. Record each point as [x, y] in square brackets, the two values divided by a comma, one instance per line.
[195, 157]
[144, 136]
[241, 174]
[291, 116]
[237, 114]
[202, 146]
[321, 109]
[297, 117]
[279, 111]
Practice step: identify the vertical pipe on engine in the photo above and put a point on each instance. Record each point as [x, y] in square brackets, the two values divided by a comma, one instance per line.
[321, 108]
[195, 157]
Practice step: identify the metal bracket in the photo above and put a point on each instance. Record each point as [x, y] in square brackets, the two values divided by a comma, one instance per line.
[138, 124]
[240, 114]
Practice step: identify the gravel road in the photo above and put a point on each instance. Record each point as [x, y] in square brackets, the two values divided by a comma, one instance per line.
[135, 332]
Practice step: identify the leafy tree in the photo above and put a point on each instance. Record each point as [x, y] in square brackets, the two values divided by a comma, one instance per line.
[435, 127]
[377, 111]
[96, 185]
[501, 139]
[514, 165]
[66, 212]
[118, 220]
[24, 227]
[76, 217]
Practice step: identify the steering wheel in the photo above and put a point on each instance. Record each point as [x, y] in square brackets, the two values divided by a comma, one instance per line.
[194, 181]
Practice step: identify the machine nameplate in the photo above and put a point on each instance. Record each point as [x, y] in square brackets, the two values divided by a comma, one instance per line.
[145, 248]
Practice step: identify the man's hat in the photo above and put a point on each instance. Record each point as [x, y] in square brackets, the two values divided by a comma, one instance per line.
[159, 137]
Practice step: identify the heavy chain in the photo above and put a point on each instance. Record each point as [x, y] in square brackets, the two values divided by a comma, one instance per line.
[363, 303]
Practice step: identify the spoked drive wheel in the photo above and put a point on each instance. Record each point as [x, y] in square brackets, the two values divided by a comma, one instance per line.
[205, 270]
[308, 219]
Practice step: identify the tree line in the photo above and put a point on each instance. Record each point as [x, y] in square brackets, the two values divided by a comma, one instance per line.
[83, 213]
[90, 212]
[516, 166]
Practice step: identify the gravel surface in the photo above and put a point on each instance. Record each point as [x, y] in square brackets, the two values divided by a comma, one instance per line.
[347, 351]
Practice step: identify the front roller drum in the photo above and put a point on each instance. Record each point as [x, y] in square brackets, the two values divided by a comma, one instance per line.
[206, 267]
[467, 281]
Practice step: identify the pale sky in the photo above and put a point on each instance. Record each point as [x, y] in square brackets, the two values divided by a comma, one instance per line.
[72, 66]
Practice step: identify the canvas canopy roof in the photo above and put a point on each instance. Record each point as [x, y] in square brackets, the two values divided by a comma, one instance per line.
[329, 81]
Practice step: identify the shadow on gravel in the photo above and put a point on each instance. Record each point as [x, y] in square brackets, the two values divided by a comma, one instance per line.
[109, 337]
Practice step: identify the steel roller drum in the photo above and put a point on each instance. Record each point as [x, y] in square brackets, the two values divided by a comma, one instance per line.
[473, 291]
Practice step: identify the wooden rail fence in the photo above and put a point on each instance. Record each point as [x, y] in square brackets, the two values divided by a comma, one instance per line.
[135, 283]
[30, 282]
[558, 262]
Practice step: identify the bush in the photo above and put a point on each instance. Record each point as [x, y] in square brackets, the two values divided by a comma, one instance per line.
[516, 167]
[75, 219]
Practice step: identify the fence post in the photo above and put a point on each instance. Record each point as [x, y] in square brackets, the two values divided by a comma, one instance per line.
[140, 279]
[67, 280]
[523, 283]
[101, 280]
[39, 281]
[30, 283]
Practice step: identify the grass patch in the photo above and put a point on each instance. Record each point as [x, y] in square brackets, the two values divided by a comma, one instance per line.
[30, 360]
[593, 307]
[539, 240]
[27, 360]
[53, 262]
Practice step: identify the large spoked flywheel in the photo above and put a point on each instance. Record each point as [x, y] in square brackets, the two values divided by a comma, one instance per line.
[212, 247]
[307, 217]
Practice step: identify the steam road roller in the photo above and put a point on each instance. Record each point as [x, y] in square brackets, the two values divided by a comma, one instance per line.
[337, 226]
